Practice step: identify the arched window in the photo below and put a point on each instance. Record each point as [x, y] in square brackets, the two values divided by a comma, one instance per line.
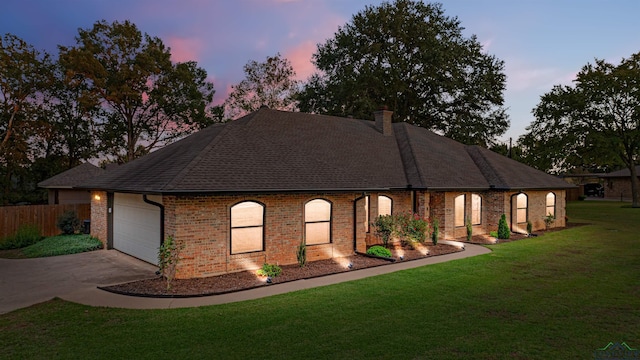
[521, 208]
[317, 222]
[247, 227]
[459, 210]
[476, 209]
[551, 204]
[385, 205]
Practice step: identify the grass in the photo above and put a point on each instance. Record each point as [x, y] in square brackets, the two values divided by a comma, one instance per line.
[55, 245]
[558, 296]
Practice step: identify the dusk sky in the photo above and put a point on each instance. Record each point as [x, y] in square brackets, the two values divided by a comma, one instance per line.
[542, 42]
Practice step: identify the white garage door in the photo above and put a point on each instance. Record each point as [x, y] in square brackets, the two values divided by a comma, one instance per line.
[136, 226]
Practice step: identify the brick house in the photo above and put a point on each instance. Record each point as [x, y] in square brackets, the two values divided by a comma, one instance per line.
[617, 185]
[240, 194]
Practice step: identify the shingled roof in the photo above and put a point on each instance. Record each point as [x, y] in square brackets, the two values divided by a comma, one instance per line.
[621, 173]
[72, 177]
[277, 151]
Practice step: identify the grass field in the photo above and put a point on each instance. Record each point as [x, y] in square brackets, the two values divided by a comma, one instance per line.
[557, 296]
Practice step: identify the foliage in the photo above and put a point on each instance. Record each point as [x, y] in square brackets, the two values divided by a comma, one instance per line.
[68, 222]
[26, 235]
[469, 229]
[301, 254]
[493, 234]
[414, 59]
[385, 228]
[168, 258]
[146, 100]
[503, 228]
[436, 231]
[378, 250]
[591, 125]
[271, 83]
[62, 245]
[270, 270]
[411, 228]
[529, 227]
[548, 220]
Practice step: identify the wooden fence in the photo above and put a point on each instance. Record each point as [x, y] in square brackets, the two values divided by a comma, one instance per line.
[44, 216]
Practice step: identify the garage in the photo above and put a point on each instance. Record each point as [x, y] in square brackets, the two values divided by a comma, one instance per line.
[136, 226]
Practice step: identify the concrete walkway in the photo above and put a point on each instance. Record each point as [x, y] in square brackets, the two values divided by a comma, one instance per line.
[82, 288]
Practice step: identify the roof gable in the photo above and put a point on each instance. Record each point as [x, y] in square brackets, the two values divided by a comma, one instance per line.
[72, 177]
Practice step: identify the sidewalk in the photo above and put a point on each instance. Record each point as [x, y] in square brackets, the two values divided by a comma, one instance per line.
[96, 297]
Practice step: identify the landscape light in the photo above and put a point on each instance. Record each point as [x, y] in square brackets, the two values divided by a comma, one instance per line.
[350, 266]
[269, 280]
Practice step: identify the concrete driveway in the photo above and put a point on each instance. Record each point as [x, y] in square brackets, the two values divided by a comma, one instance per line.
[24, 282]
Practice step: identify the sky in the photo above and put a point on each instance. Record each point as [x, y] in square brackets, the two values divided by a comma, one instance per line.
[542, 42]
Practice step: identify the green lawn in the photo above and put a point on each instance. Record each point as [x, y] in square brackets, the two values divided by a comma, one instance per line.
[55, 245]
[558, 296]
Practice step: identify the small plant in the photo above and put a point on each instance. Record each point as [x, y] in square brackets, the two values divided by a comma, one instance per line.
[168, 257]
[548, 220]
[301, 254]
[469, 230]
[68, 222]
[503, 228]
[378, 250]
[26, 235]
[529, 227]
[270, 270]
[493, 234]
[384, 228]
[436, 232]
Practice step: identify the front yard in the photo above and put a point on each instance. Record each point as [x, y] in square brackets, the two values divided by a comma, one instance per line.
[560, 295]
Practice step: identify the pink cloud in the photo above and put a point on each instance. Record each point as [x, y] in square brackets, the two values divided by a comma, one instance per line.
[184, 49]
[300, 57]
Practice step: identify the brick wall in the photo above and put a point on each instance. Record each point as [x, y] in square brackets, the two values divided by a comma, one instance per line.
[616, 188]
[99, 216]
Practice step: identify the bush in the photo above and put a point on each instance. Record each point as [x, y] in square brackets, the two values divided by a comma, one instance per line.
[384, 227]
[503, 228]
[378, 250]
[168, 257]
[529, 227]
[414, 228]
[62, 245]
[548, 220]
[68, 222]
[436, 232]
[270, 270]
[469, 230]
[493, 234]
[301, 255]
[25, 236]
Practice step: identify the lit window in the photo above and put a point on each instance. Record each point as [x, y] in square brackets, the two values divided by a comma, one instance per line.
[317, 222]
[384, 205]
[459, 210]
[476, 209]
[247, 220]
[521, 208]
[551, 204]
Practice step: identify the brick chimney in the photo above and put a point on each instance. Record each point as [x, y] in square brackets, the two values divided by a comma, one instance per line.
[383, 121]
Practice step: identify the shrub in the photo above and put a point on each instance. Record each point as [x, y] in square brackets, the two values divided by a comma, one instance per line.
[168, 257]
[384, 227]
[436, 232]
[548, 220]
[415, 228]
[503, 228]
[68, 222]
[469, 230]
[493, 234]
[378, 250]
[301, 255]
[270, 270]
[529, 227]
[25, 236]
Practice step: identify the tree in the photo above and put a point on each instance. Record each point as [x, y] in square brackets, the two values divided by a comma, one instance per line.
[593, 124]
[146, 100]
[410, 57]
[271, 83]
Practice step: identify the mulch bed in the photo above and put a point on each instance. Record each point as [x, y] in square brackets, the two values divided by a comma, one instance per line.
[243, 280]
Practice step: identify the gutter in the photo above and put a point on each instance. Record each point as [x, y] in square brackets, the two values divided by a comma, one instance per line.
[150, 202]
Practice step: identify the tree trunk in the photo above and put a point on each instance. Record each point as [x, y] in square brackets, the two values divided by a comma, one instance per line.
[635, 185]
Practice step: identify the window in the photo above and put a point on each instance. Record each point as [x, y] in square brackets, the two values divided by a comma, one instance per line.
[476, 209]
[317, 222]
[551, 204]
[384, 205]
[459, 210]
[521, 208]
[247, 227]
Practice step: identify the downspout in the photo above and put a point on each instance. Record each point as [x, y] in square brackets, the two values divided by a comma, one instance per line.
[355, 219]
[150, 202]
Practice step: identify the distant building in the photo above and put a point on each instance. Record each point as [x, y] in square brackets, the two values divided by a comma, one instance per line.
[61, 187]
